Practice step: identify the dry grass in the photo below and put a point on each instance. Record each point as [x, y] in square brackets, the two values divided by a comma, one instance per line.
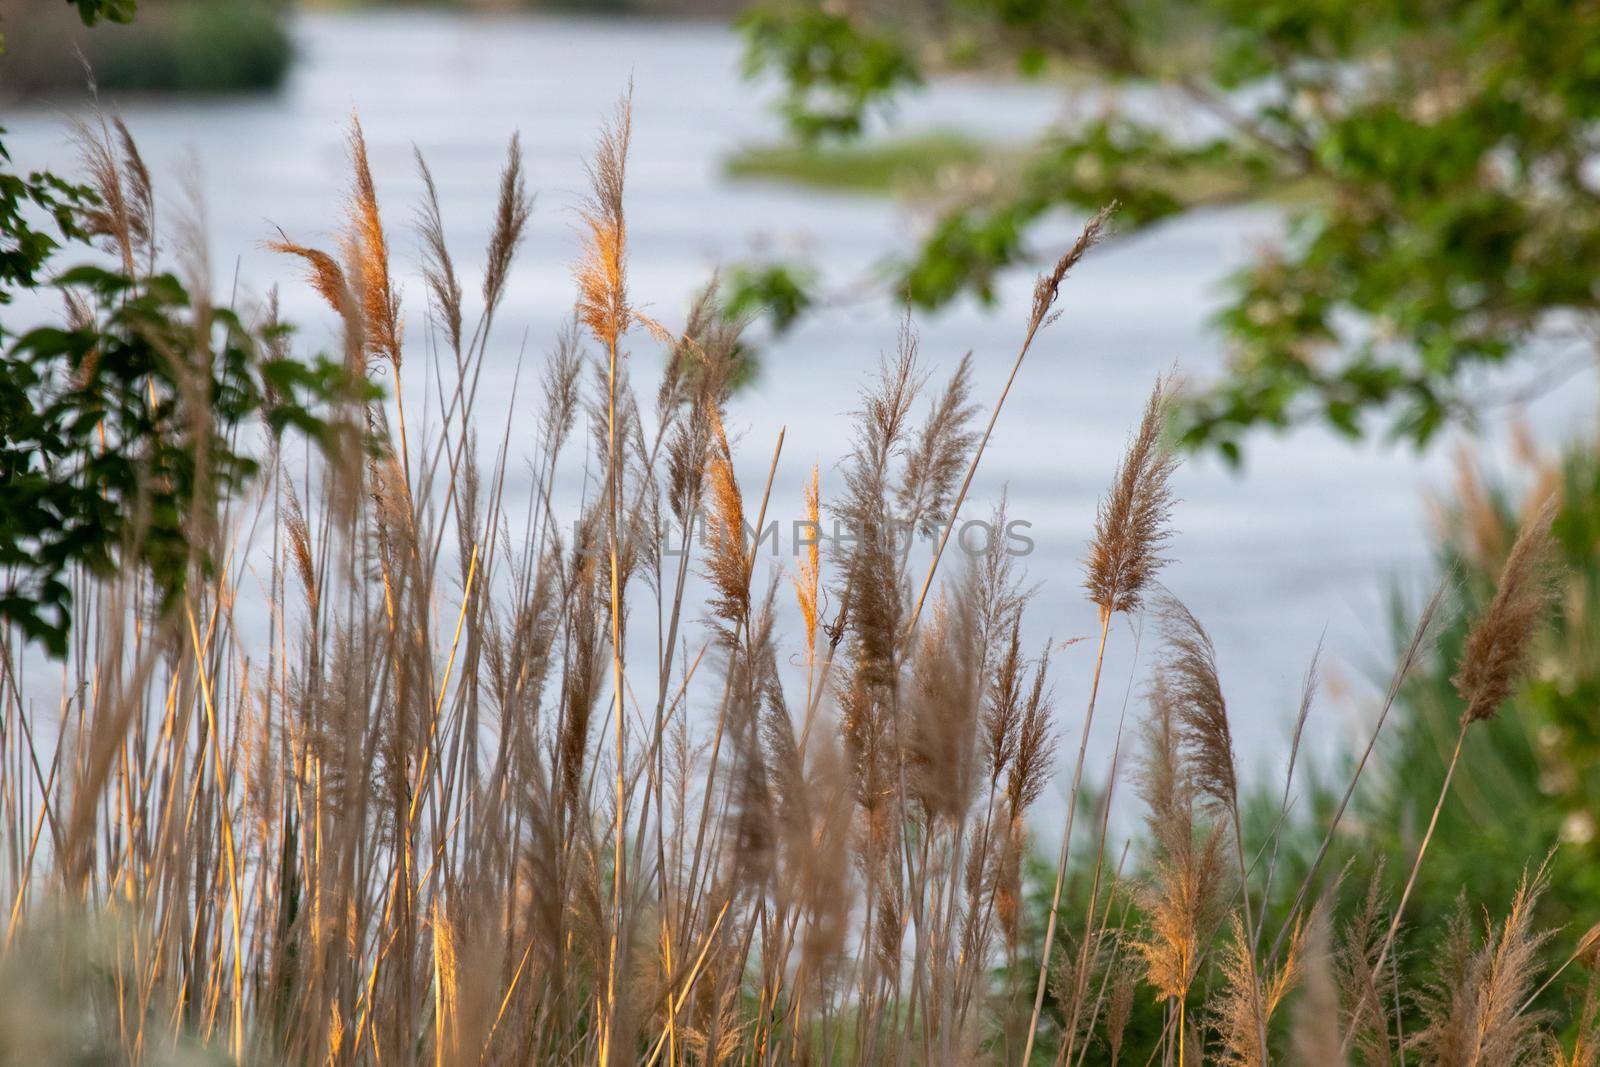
[441, 810]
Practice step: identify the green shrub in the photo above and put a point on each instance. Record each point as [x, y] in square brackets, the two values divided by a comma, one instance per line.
[190, 46]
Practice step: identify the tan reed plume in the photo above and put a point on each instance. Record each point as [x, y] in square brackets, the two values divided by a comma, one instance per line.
[602, 271]
[322, 271]
[1181, 895]
[438, 269]
[938, 764]
[1047, 288]
[1248, 1000]
[512, 211]
[1119, 1008]
[808, 577]
[1131, 524]
[938, 453]
[1035, 745]
[125, 212]
[368, 248]
[729, 560]
[1189, 674]
[1497, 647]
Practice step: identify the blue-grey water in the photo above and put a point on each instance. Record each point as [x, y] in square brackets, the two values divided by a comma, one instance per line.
[1313, 537]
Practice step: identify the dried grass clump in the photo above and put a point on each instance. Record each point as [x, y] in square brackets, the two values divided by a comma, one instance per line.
[1477, 1012]
[394, 784]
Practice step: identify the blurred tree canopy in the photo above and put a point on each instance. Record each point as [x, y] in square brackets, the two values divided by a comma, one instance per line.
[1444, 151]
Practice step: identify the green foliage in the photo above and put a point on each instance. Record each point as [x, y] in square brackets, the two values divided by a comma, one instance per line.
[833, 67]
[25, 248]
[1448, 150]
[121, 437]
[784, 293]
[92, 11]
[122, 432]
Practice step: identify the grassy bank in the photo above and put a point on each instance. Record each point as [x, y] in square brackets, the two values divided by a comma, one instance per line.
[875, 167]
[946, 160]
[182, 46]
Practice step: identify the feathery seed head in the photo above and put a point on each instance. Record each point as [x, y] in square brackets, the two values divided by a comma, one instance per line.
[1497, 647]
[368, 248]
[1048, 287]
[602, 272]
[1131, 522]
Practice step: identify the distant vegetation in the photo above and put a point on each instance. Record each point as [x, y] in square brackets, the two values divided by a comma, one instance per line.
[189, 46]
[875, 167]
[948, 162]
[690, 8]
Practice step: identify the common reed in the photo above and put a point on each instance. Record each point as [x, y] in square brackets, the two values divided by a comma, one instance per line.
[409, 779]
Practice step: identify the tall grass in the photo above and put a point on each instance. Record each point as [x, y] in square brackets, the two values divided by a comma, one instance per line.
[393, 783]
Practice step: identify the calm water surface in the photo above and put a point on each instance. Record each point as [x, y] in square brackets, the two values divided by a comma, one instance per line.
[1311, 539]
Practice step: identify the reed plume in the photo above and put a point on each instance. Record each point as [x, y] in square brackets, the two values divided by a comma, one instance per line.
[1119, 1008]
[729, 560]
[512, 211]
[367, 246]
[1029, 771]
[939, 453]
[1131, 526]
[603, 308]
[438, 269]
[322, 271]
[1249, 999]
[1181, 895]
[1496, 650]
[602, 270]
[808, 577]
[946, 677]
[123, 209]
[1189, 673]
[1047, 288]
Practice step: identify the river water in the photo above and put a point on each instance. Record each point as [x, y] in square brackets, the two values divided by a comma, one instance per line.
[1313, 537]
